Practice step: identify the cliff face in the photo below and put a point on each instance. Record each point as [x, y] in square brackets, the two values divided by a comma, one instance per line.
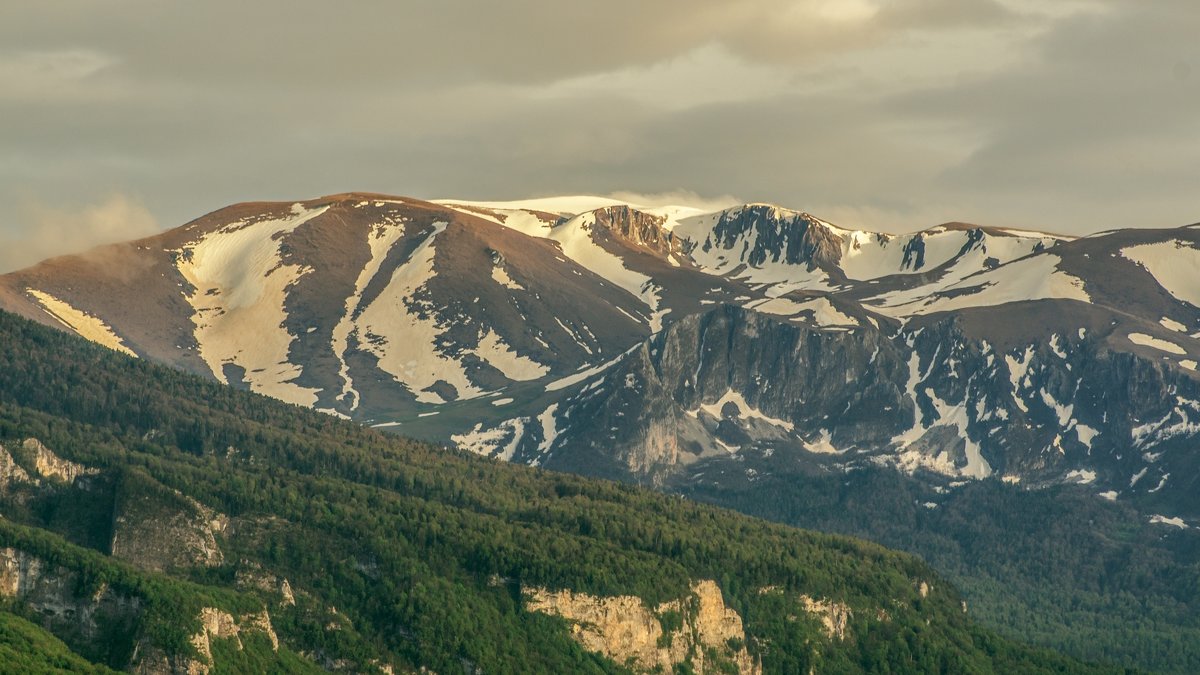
[699, 630]
[52, 467]
[95, 621]
[931, 398]
[159, 529]
[30, 462]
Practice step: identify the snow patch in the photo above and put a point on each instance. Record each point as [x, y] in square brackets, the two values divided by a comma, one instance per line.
[1174, 264]
[1156, 343]
[744, 410]
[1164, 520]
[85, 325]
[240, 287]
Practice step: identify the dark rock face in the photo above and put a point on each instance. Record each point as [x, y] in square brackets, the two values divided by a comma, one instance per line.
[928, 399]
[761, 233]
[637, 229]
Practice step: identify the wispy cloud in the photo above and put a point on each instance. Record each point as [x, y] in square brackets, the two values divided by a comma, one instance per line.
[47, 231]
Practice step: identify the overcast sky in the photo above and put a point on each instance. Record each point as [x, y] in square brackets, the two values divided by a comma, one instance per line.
[121, 117]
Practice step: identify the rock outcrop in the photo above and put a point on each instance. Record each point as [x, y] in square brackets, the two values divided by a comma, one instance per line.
[92, 621]
[52, 467]
[215, 624]
[834, 616]
[159, 529]
[624, 629]
[31, 462]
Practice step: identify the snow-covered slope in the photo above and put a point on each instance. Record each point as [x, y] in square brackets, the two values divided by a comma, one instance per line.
[519, 329]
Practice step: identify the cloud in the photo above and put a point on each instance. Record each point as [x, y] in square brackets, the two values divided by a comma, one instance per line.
[676, 198]
[893, 114]
[47, 231]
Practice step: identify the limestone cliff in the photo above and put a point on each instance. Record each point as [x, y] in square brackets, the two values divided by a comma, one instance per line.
[701, 630]
[158, 529]
[52, 467]
[94, 621]
[215, 624]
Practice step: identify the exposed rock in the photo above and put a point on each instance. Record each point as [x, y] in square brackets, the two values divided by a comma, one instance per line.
[250, 575]
[834, 616]
[11, 472]
[50, 466]
[624, 629]
[215, 624]
[159, 529]
[86, 620]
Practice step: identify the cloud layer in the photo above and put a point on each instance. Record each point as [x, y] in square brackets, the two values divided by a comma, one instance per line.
[1075, 116]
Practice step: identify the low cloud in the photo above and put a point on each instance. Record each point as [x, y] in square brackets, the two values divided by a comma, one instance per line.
[676, 198]
[46, 231]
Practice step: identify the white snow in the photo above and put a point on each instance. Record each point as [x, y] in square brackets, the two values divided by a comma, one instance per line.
[1164, 520]
[1188, 363]
[1086, 434]
[549, 429]
[582, 375]
[1171, 324]
[501, 277]
[1032, 278]
[822, 445]
[240, 289]
[85, 325]
[1018, 372]
[380, 240]
[1156, 343]
[826, 315]
[407, 333]
[744, 410]
[1174, 264]
[956, 416]
[1081, 476]
[1111, 495]
[502, 401]
[504, 358]
[486, 441]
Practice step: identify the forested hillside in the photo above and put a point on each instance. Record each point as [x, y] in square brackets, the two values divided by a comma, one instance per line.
[157, 522]
[1053, 566]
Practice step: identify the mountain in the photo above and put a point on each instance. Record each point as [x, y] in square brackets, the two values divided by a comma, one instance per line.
[160, 523]
[755, 357]
[587, 334]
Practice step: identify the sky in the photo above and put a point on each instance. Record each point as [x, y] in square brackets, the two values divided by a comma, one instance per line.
[119, 118]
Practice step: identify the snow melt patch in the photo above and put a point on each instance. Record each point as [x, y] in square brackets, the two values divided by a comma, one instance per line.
[380, 240]
[500, 441]
[1081, 476]
[1156, 343]
[404, 333]
[240, 288]
[1033, 278]
[1164, 520]
[500, 276]
[1174, 264]
[1171, 324]
[744, 410]
[505, 359]
[85, 325]
[582, 375]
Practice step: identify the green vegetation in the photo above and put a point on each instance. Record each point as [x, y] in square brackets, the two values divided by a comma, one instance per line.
[1057, 567]
[405, 554]
[25, 648]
